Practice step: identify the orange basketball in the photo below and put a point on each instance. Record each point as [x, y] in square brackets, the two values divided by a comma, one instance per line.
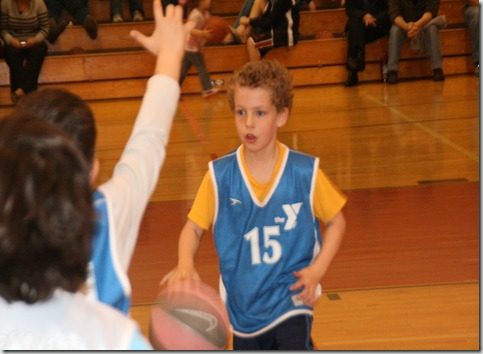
[189, 315]
[218, 27]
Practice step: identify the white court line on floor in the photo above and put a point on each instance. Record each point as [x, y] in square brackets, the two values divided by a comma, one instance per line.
[424, 128]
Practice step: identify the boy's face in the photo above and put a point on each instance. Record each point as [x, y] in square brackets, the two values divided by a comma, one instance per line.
[256, 117]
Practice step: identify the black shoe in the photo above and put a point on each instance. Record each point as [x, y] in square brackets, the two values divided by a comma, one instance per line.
[392, 77]
[352, 79]
[56, 28]
[438, 75]
[90, 24]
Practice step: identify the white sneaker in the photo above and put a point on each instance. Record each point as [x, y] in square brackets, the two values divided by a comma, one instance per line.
[137, 16]
[116, 18]
[210, 92]
[217, 82]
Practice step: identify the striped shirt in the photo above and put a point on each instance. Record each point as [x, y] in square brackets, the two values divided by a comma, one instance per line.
[33, 22]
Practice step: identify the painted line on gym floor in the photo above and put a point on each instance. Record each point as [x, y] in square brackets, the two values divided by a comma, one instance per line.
[424, 128]
[195, 127]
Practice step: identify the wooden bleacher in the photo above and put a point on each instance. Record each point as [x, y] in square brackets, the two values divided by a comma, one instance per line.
[114, 61]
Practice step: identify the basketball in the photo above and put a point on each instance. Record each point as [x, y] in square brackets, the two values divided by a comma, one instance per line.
[218, 27]
[189, 315]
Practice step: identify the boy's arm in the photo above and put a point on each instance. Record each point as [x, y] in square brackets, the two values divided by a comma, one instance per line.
[200, 218]
[188, 244]
[310, 277]
[137, 172]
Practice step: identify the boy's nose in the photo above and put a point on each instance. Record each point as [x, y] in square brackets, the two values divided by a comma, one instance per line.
[249, 121]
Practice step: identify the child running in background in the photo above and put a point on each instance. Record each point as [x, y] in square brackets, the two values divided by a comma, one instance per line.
[264, 202]
[120, 202]
[193, 55]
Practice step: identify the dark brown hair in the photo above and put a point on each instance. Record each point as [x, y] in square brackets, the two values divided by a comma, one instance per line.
[46, 212]
[68, 112]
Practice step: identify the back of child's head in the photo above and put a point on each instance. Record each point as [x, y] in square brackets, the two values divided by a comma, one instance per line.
[68, 112]
[46, 212]
[267, 74]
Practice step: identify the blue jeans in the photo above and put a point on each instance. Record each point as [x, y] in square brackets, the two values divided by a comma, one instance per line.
[397, 37]
[291, 334]
[116, 6]
[472, 19]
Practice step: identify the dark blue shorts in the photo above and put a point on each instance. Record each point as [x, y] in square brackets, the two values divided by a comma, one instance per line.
[292, 334]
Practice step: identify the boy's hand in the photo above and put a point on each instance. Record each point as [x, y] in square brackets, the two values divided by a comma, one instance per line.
[308, 279]
[179, 274]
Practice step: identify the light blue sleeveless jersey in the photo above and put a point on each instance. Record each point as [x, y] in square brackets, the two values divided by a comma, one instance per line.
[107, 280]
[260, 245]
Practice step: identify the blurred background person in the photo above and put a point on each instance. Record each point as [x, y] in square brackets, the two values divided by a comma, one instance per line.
[24, 26]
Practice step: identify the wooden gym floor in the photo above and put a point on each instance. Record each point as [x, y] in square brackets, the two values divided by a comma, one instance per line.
[407, 155]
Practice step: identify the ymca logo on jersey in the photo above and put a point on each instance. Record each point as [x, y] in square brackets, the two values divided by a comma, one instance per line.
[291, 213]
[234, 201]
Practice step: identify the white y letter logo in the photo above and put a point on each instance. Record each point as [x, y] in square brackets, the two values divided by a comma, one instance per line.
[291, 210]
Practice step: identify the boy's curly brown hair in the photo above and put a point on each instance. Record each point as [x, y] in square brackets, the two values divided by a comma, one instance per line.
[268, 74]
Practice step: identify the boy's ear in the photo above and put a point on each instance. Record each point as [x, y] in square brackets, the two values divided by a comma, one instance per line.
[94, 170]
[282, 117]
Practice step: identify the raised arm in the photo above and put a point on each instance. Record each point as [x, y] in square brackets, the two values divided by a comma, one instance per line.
[136, 174]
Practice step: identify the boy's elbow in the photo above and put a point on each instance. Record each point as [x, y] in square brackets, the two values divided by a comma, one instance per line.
[194, 227]
[338, 222]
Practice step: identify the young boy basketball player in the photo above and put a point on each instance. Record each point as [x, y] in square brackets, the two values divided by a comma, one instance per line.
[264, 202]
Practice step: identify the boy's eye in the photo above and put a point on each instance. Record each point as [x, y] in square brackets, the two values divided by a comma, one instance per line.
[259, 113]
[239, 112]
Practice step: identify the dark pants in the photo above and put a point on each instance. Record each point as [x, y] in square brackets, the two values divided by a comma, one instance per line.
[197, 59]
[291, 334]
[25, 65]
[116, 6]
[358, 35]
[78, 9]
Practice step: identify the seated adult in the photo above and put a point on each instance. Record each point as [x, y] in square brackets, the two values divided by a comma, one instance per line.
[24, 26]
[239, 32]
[412, 19]
[277, 26]
[368, 20]
[78, 9]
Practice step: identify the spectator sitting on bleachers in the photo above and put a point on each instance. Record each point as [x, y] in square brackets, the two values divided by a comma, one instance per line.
[472, 19]
[239, 33]
[368, 20]
[277, 26]
[78, 9]
[413, 18]
[24, 26]
[136, 9]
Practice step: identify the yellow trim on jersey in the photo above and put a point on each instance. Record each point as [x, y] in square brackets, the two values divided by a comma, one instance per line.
[328, 199]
